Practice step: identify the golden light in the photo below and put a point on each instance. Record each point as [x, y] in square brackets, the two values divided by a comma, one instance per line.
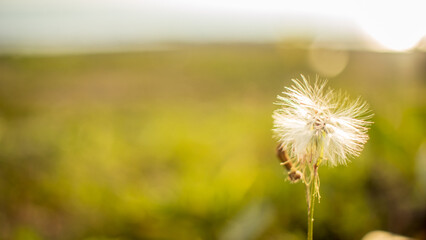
[394, 38]
[395, 27]
[328, 62]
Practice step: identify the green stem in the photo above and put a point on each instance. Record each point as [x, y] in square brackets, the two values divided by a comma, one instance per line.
[312, 188]
[311, 207]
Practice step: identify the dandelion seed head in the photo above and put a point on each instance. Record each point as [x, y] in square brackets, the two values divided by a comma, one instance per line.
[311, 113]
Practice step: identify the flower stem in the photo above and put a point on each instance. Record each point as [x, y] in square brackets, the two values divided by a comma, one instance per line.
[311, 207]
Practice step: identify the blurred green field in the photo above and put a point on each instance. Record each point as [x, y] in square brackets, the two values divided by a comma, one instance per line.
[177, 144]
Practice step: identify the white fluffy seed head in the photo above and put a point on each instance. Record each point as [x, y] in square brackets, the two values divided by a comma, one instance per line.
[311, 113]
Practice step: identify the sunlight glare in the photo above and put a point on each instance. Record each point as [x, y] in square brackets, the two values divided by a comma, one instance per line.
[394, 26]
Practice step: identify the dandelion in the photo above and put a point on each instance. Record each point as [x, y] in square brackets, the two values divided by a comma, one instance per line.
[316, 126]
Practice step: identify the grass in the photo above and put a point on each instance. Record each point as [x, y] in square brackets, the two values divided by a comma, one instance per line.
[177, 145]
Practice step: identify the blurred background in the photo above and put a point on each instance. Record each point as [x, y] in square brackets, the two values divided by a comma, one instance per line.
[152, 119]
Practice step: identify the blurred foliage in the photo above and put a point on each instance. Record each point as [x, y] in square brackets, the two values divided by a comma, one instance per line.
[177, 144]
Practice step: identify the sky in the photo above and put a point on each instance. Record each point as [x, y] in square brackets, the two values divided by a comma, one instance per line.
[108, 24]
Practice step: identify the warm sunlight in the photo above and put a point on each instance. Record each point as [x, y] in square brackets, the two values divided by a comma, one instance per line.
[192, 119]
[106, 25]
[395, 27]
